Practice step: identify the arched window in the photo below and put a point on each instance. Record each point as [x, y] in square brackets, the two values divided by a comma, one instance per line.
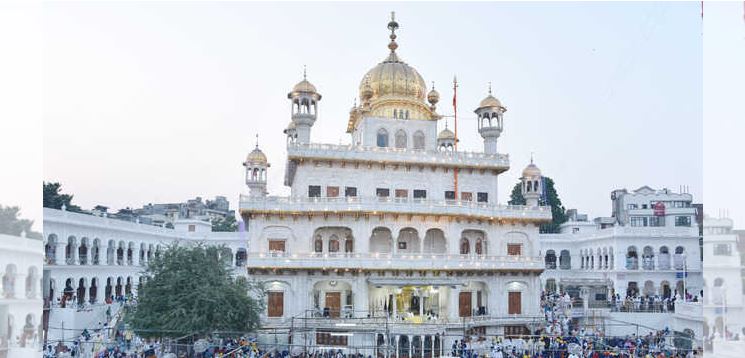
[632, 259]
[382, 138]
[318, 244]
[400, 139]
[334, 244]
[464, 246]
[565, 260]
[349, 244]
[550, 259]
[418, 140]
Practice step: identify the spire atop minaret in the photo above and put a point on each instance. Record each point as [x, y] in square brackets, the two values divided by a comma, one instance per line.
[531, 157]
[305, 73]
[257, 140]
[490, 87]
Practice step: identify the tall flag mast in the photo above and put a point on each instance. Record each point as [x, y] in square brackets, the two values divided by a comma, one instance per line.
[455, 125]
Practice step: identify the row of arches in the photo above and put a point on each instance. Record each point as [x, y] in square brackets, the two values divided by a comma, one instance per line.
[12, 276]
[598, 259]
[648, 258]
[26, 335]
[92, 290]
[400, 139]
[407, 346]
[92, 252]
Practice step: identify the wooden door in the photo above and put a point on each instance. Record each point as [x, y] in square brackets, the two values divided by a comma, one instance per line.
[333, 303]
[514, 303]
[275, 304]
[464, 304]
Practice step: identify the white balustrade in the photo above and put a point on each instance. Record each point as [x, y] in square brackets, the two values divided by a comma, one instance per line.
[394, 205]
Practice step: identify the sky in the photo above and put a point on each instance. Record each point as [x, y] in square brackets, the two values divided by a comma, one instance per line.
[161, 102]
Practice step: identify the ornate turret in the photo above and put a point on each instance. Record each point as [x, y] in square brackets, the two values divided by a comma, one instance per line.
[256, 171]
[490, 121]
[446, 139]
[532, 184]
[305, 98]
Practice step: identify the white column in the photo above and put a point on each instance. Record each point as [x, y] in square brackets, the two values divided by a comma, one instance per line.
[59, 253]
[411, 343]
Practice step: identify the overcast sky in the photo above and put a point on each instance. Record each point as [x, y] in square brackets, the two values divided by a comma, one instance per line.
[148, 103]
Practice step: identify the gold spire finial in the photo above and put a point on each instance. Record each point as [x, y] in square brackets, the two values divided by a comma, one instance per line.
[490, 87]
[433, 85]
[257, 140]
[531, 157]
[393, 26]
[305, 73]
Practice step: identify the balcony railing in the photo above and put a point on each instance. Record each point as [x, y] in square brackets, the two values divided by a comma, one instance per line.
[393, 205]
[398, 155]
[413, 261]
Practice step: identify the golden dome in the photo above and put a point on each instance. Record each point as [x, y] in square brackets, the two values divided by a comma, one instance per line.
[304, 87]
[490, 101]
[393, 78]
[531, 171]
[256, 157]
[446, 134]
[391, 88]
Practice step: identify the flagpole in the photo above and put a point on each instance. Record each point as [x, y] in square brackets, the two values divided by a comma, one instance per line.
[455, 125]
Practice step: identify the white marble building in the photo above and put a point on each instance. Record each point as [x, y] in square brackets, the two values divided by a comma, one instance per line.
[723, 290]
[90, 258]
[645, 247]
[397, 236]
[20, 296]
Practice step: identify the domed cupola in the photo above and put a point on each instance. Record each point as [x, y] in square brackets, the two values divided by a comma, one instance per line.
[490, 121]
[305, 98]
[394, 89]
[446, 139]
[256, 171]
[532, 184]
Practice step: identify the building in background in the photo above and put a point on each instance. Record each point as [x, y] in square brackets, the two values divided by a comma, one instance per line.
[21, 296]
[648, 247]
[165, 214]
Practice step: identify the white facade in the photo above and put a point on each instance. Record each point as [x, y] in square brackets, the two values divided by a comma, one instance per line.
[88, 259]
[21, 300]
[645, 249]
[394, 235]
[723, 291]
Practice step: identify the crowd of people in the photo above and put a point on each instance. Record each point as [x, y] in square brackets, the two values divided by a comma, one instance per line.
[636, 302]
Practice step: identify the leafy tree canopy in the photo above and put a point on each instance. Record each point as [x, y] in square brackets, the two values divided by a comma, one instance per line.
[53, 198]
[552, 199]
[227, 223]
[191, 291]
[12, 224]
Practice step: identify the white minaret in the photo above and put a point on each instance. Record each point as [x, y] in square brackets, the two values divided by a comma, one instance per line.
[490, 121]
[256, 172]
[304, 98]
[532, 184]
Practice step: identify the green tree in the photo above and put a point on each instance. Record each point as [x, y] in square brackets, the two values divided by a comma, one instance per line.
[558, 212]
[227, 223]
[53, 198]
[191, 291]
[12, 224]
